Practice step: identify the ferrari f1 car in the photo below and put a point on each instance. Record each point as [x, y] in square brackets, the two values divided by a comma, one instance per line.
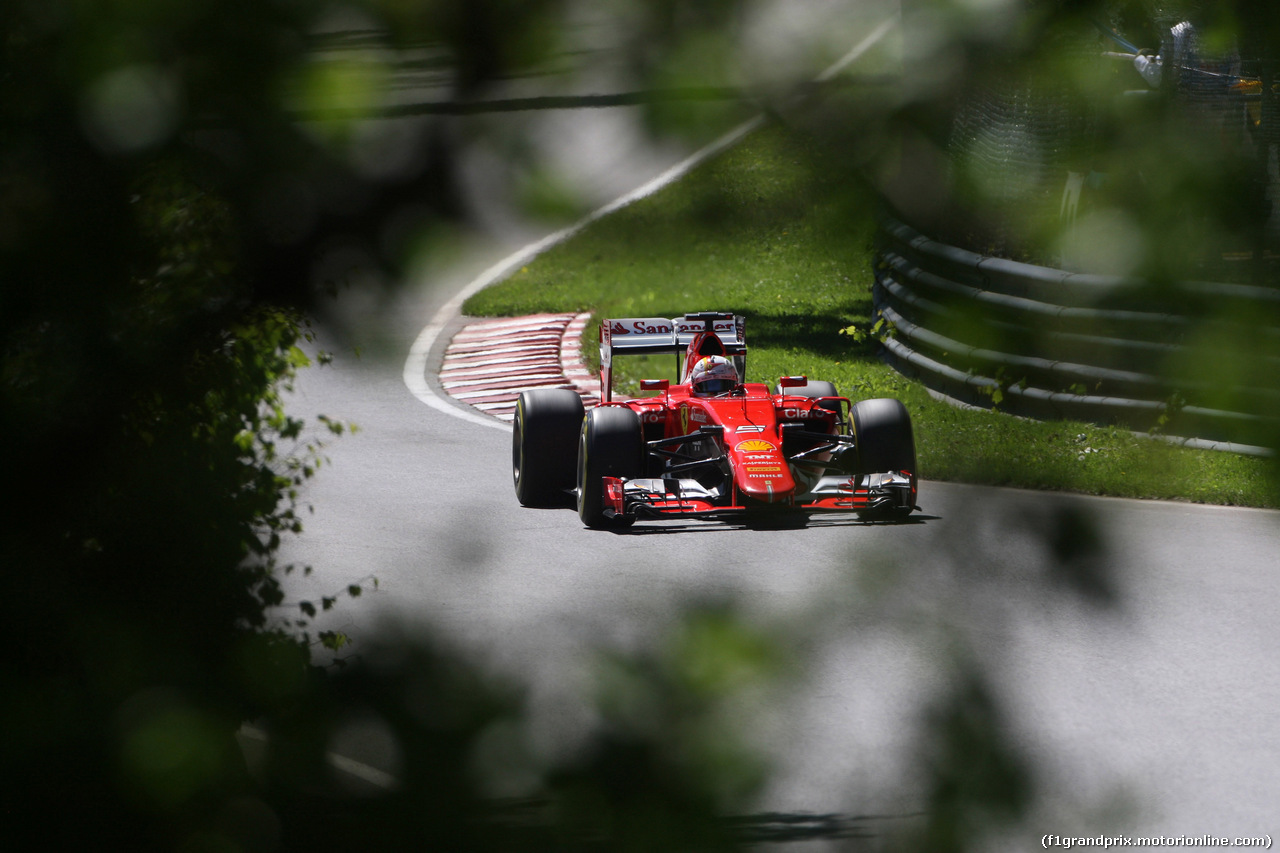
[712, 445]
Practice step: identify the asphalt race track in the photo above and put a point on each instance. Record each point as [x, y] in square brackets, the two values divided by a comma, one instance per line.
[1132, 646]
[1147, 690]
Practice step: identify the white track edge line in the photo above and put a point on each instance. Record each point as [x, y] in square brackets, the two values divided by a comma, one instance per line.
[372, 775]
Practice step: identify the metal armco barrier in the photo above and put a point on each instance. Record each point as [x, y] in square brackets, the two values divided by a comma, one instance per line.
[1197, 360]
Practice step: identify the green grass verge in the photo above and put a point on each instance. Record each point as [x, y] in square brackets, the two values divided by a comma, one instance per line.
[769, 230]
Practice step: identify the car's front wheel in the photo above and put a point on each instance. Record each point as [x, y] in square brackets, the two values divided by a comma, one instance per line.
[886, 444]
[611, 445]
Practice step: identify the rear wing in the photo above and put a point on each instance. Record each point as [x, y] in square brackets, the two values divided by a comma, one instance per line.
[647, 335]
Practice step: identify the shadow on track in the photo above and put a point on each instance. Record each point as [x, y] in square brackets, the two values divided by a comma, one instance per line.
[766, 522]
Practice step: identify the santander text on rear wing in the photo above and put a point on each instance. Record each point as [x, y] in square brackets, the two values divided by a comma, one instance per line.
[645, 335]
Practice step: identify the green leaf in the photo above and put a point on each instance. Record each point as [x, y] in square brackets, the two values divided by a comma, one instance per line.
[333, 640]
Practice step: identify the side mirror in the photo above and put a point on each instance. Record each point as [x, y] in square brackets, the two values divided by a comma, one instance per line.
[793, 381]
[654, 384]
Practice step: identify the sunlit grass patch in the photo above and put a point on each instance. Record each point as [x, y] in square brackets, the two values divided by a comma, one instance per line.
[767, 230]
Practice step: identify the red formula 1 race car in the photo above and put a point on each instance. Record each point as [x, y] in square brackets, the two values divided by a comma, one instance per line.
[711, 446]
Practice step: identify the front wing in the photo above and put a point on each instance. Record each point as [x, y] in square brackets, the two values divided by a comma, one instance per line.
[670, 497]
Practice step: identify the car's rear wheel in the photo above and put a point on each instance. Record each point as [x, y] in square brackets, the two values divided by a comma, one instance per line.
[814, 389]
[544, 446]
[611, 445]
[886, 443]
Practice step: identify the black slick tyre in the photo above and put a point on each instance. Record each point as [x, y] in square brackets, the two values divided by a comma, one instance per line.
[814, 389]
[611, 445]
[885, 441]
[544, 446]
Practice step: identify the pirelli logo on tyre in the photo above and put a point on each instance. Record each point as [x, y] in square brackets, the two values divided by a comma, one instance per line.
[755, 445]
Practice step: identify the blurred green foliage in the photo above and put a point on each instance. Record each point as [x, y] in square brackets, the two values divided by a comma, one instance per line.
[166, 221]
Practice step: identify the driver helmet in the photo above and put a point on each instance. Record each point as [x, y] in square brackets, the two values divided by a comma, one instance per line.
[713, 375]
